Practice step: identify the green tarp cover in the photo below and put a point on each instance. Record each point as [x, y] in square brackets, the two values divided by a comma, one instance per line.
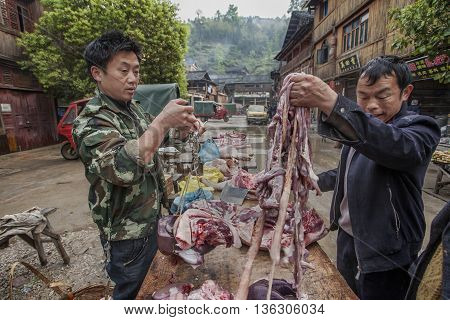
[154, 97]
[231, 107]
[204, 108]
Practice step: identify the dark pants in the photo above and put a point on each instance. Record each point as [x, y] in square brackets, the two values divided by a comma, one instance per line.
[130, 260]
[388, 285]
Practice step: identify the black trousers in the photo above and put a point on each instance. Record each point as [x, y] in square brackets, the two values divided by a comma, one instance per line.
[130, 260]
[386, 285]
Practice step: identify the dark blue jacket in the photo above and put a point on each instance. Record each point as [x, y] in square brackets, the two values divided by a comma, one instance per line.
[384, 184]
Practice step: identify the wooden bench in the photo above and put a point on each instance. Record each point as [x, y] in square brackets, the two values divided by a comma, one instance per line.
[34, 240]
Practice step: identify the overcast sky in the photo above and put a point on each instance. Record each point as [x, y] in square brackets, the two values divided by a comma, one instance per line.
[262, 8]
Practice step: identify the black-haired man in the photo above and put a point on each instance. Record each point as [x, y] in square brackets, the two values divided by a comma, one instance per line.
[377, 204]
[118, 142]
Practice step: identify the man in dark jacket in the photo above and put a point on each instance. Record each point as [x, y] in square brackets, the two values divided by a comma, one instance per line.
[377, 204]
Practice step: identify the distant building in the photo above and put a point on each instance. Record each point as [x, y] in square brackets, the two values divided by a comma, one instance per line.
[348, 33]
[251, 89]
[27, 114]
[200, 84]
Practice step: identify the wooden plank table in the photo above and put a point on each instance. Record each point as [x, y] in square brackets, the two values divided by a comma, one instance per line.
[224, 265]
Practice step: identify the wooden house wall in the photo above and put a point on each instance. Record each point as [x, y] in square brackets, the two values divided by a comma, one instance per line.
[32, 120]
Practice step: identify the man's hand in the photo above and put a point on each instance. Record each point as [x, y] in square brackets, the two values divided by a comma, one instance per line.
[310, 91]
[200, 126]
[176, 114]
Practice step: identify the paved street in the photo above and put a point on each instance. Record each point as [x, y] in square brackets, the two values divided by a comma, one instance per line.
[41, 177]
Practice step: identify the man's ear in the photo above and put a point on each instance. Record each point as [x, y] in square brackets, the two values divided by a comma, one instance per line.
[407, 92]
[96, 73]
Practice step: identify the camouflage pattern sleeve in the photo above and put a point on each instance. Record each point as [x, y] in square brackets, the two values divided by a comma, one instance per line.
[107, 153]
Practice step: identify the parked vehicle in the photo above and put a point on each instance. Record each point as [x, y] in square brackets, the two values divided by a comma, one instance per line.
[231, 108]
[205, 110]
[152, 98]
[64, 129]
[257, 114]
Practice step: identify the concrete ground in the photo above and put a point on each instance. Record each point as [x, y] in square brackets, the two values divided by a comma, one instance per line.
[43, 178]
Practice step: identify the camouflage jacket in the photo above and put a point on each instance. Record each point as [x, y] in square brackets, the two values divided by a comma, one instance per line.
[125, 194]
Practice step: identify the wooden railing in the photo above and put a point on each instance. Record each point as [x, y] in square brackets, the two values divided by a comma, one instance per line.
[295, 62]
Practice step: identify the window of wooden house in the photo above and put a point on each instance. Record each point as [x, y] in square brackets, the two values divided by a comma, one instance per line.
[324, 9]
[356, 32]
[322, 53]
[23, 17]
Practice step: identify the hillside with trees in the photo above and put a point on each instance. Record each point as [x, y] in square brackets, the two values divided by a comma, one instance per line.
[228, 40]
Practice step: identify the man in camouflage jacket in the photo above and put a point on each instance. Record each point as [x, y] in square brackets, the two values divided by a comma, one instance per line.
[118, 143]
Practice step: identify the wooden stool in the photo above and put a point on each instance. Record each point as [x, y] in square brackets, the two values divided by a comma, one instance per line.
[36, 241]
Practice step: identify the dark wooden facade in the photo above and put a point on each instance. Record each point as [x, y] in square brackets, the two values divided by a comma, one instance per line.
[27, 114]
[348, 33]
[250, 89]
[295, 54]
[200, 84]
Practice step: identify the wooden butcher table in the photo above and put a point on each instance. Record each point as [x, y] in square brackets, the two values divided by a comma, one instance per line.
[225, 265]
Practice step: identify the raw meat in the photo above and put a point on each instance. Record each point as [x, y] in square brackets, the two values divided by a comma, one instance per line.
[183, 291]
[288, 169]
[175, 291]
[227, 167]
[210, 291]
[243, 179]
[196, 227]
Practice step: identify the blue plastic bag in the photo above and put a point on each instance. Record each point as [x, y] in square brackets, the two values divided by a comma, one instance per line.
[189, 198]
[209, 151]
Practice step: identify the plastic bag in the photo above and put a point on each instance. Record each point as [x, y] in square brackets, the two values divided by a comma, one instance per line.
[189, 198]
[209, 151]
[212, 174]
[194, 184]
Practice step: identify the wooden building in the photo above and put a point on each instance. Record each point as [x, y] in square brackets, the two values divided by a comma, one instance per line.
[249, 89]
[27, 114]
[345, 35]
[295, 54]
[200, 84]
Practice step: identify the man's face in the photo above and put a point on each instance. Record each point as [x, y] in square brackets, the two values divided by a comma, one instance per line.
[384, 98]
[121, 77]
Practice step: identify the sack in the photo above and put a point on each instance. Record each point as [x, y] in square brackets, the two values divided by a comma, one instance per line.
[209, 151]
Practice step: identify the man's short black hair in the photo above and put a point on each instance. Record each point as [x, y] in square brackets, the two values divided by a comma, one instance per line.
[100, 51]
[385, 66]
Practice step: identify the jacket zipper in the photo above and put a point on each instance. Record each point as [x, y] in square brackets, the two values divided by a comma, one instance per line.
[336, 190]
[358, 274]
[396, 217]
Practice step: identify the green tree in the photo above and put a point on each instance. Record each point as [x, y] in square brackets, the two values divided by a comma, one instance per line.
[54, 49]
[218, 43]
[232, 13]
[426, 25]
[294, 6]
